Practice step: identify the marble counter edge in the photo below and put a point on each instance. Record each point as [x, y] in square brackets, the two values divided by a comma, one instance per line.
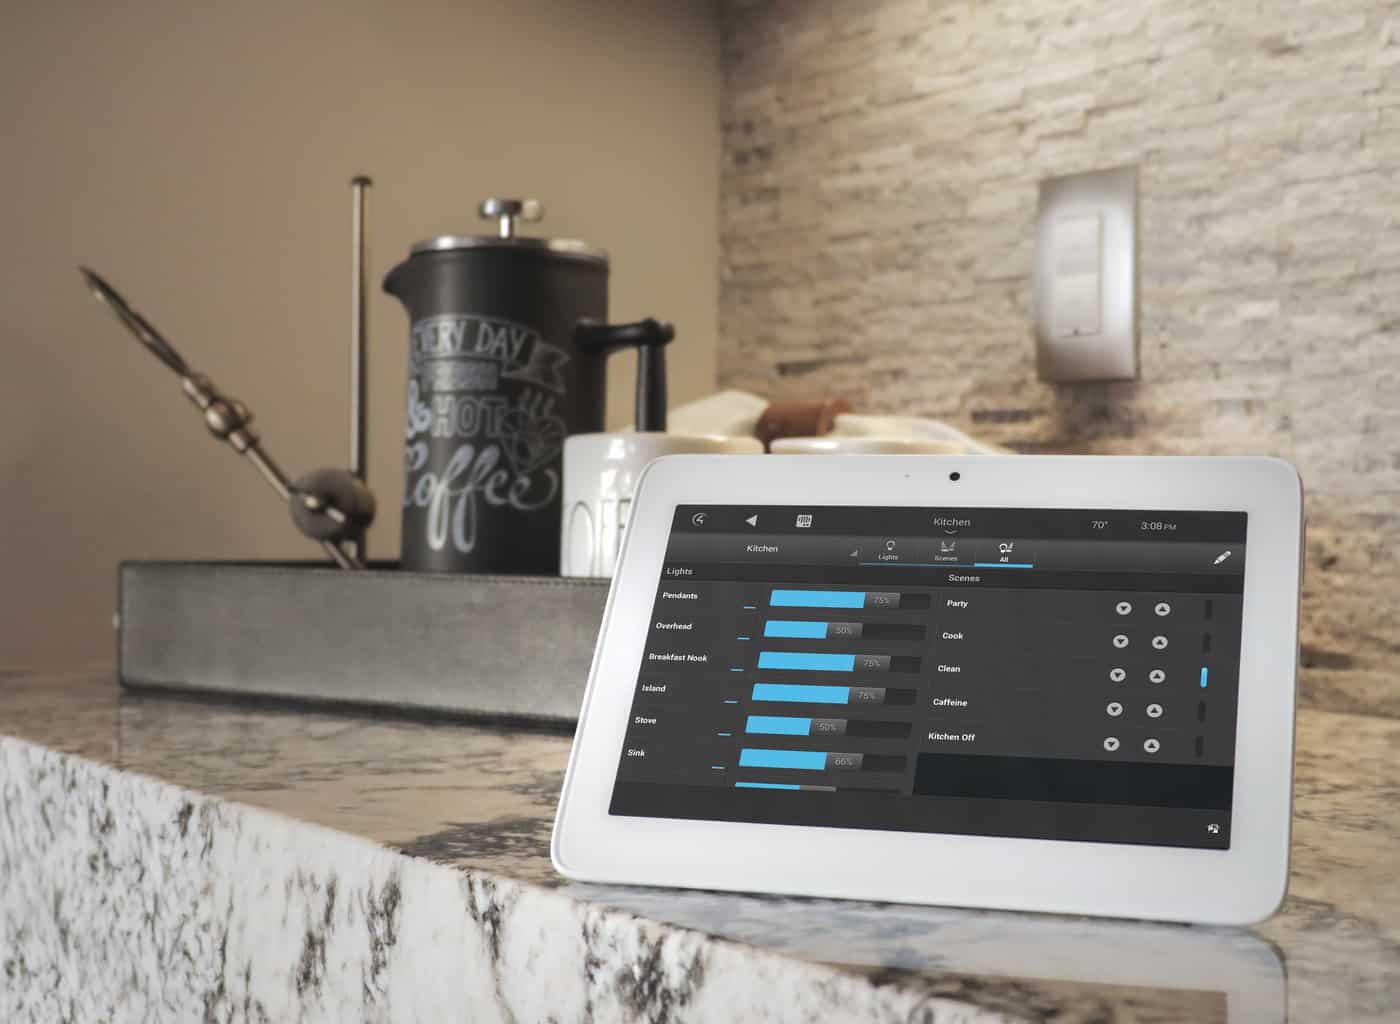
[124, 895]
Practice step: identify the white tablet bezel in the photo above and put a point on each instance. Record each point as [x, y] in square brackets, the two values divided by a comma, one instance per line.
[1243, 884]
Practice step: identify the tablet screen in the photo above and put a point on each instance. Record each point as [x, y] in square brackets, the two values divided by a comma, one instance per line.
[1032, 673]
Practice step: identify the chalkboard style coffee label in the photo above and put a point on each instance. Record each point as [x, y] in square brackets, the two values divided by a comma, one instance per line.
[483, 443]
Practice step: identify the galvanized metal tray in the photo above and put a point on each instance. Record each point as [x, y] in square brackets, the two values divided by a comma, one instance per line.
[503, 647]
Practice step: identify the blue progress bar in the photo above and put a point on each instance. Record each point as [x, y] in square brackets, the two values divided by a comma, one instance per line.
[784, 629]
[817, 599]
[776, 725]
[794, 693]
[766, 785]
[1002, 565]
[1205, 673]
[801, 661]
[811, 760]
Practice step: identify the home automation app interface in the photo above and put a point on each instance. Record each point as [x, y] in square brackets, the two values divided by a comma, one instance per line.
[1035, 673]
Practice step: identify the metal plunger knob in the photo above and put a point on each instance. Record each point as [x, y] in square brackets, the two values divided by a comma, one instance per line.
[507, 211]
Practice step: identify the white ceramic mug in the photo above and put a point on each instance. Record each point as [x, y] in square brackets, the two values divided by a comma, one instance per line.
[865, 446]
[600, 477]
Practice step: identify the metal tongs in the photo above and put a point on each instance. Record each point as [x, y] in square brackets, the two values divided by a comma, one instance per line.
[333, 507]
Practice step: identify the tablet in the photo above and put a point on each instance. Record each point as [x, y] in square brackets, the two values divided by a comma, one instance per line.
[1025, 682]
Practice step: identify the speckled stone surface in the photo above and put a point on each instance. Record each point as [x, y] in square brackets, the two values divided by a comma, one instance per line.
[878, 202]
[405, 875]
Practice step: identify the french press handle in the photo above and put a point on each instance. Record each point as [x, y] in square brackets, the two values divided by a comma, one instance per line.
[650, 338]
[507, 211]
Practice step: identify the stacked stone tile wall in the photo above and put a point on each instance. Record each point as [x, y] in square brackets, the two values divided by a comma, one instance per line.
[881, 163]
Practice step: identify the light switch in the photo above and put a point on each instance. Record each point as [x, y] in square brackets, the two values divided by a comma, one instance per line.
[1078, 247]
[1074, 309]
[1086, 277]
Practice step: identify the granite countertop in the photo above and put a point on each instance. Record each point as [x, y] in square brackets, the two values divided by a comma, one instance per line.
[404, 873]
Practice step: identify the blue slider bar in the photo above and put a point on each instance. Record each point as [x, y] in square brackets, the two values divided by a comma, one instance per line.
[794, 693]
[801, 661]
[777, 725]
[811, 760]
[1205, 674]
[817, 599]
[766, 785]
[1002, 565]
[784, 629]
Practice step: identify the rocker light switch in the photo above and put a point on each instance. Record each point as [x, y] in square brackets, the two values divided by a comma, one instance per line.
[1086, 277]
[1078, 246]
[1075, 295]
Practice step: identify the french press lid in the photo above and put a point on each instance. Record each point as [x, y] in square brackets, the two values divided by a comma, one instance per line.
[506, 212]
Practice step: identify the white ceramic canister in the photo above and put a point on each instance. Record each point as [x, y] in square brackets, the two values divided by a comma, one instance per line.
[600, 477]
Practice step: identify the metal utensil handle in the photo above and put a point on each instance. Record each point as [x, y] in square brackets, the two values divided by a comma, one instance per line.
[134, 322]
[227, 418]
[359, 344]
[359, 328]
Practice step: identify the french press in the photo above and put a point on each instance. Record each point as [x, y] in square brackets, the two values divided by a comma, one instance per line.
[507, 347]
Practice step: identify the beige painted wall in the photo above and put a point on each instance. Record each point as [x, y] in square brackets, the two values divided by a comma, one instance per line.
[878, 202]
[199, 154]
